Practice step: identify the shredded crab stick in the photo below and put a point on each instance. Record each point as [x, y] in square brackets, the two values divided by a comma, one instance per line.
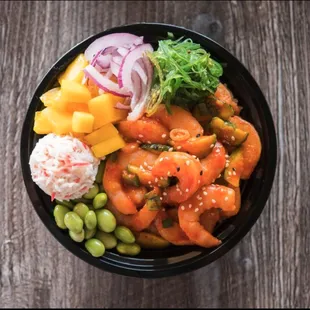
[212, 196]
[63, 167]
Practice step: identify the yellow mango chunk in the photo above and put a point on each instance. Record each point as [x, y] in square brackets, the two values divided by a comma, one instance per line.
[105, 132]
[61, 121]
[82, 122]
[108, 146]
[42, 125]
[103, 109]
[74, 106]
[74, 71]
[53, 98]
[72, 91]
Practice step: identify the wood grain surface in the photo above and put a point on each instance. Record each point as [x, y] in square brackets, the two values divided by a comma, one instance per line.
[270, 267]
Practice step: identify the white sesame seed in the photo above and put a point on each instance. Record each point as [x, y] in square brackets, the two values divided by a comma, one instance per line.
[190, 205]
[226, 165]
[187, 190]
[205, 193]
[149, 142]
[194, 156]
[226, 198]
[168, 173]
[145, 164]
[219, 176]
[138, 141]
[178, 189]
[222, 190]
[199, 197]
[217, 150]
[181, 193]
[182, 208]
[196, 210]
[161, 159]
[229, 172]
[156, 180]
[234, 173]
[132, 146]
[233, 138]
[201, 204]
[166, 157]
[187, 162]
[179, 147]
[213, 201]
[141, 167]
[161, 198]
[164, 194]
[198, 182]
[140, 136]
[150, 167]
[171, 149]
[226, 156]
[203, 188]
[211, 146]
[164, 135]
[149, 182]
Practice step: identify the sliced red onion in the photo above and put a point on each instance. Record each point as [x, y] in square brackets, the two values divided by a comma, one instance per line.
[104, 83]
[122, 106]
[124, 76]
[117, 59]
[114, 68]
[123, 51]
[104, 60]
[110, 40]
[137, 86]
[140, 70]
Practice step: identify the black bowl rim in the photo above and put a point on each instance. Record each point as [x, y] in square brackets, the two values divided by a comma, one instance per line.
[140, 270]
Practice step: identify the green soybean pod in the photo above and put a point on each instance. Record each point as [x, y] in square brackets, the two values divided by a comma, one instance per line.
[77, 237]
[59, 213]
[99, 175]
[93, 191]
[81, 210]
[124, 234]
[105, 220]
[100, 200]
[128, 249]
[107, 239]
[95, 247]
[90, 220]
[89, 233]
[73, 222]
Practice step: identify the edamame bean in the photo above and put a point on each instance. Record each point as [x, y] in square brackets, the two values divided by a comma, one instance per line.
[89, 233]
[108, 240]
[59, 213]
[100, 200]
[128, 249]
[93, 191]
[83, 200]
[106, 220]
[65, 203]
[90, 220]
[77, 237]
[81, 209]
[95, 247]
[73, 222]
[100, 172]
[124, 234]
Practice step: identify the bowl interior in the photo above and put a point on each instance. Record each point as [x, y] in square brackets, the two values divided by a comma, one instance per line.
[255, 191]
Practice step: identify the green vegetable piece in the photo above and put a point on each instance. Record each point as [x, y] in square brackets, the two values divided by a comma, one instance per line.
[73, 222]
[65, 203]
[106, 220]
[100, 200]
[108, 240]
[130, 179]
[81, 209]
[59, 213]
[95, 247]
[167, 223]
[90, 220]
[132, 249]
[156, 148]
[77, 237]
[89, 233]
[234, 170]
[124, 234]
[99, 174]
[163, 183]
[93, 191]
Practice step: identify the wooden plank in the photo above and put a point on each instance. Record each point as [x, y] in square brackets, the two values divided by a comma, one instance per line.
[269, 267]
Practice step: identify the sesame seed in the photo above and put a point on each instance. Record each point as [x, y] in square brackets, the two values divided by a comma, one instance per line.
[178, 169]
[149, 182]
[217, 150]
[229, 172]
[145, 164]
[187, 190]
[222, 190]
[141, 167]
[201, 172]
[234, 173]
[149, 142]
[150, 167]
[190, 205]
[161, 198]
[171, 149]
[164, 194]
[182, 208]
[166, 157]
[164, 135]
[233, 138]
[199, 197]
[161, 159]
[219, 176]
[140, 136]
[181, 193]
[187, 162]
[211, 146]
[196, 210]
[156, 180]
[179, 147]
[205, 193]
[163, 208]
[178, 189]
[226, 198]
[138, 141]
[201, 204]
[226, 156]
[226, 165]
[203, 188]
[194, 156]
[213, 201]
[198, 182]
[132, 146]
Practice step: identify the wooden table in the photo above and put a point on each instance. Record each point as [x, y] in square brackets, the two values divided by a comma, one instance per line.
[270, 267]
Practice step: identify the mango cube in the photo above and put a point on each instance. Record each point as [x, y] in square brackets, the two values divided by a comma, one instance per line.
[104, 111]
[108, 146]
[74, 106]
[82, 122]
[72, 91]
[61, 121]
[104, 133]
[74, 71]
[52, 98]
[42, 125]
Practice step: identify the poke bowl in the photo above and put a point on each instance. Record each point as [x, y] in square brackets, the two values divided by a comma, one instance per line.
[148, 150]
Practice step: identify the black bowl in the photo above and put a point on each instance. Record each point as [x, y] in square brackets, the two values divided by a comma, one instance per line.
[255, 191]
